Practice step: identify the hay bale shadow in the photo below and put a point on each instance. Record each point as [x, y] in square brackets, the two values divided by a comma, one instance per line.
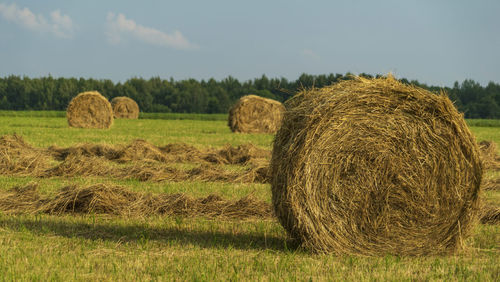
[134, 233]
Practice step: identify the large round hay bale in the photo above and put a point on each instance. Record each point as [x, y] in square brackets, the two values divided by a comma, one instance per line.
[254, 114]
[374, 167]
[124, 107]
[89, 110]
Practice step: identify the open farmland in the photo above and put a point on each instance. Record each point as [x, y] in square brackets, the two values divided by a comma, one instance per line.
[96, 246]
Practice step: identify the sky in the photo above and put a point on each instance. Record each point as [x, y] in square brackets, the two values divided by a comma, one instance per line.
[436, 42]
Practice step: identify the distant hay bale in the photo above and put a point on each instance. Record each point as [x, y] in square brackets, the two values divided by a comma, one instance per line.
[254, 114]
[124, 107]
[89, 110]
[375, 167]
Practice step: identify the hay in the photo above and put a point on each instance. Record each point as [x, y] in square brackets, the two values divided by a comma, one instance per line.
[124, 107]
[489, 156]
[116, 200]
[139, 160]
[75, 165]
[141, 150]
[89, 110]
[20, 199]
[491, 185]
[19, 158]
[254, 114]
[87, 150]
[374, 167]
[242, 154]
[490, 214]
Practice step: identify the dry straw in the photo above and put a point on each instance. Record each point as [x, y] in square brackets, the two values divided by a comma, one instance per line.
[90, 110]
[125, 107]
[490, 214]
[489, 155]
[144, 161]
[374, 166]
[254, 114]
[116, 200]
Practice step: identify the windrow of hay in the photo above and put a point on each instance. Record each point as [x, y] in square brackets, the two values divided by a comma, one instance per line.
[489, 156]
[242, 154]
[254, 114]
[490, 214]
[141, 150]
[36, 163]
[95, 166]
[87, 150]
[125, 107]
[18, 157]
[116, 200]
[375, 167]
[491, 184]
[89, 110]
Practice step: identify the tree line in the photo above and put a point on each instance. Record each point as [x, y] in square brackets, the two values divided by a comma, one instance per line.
[211, 96]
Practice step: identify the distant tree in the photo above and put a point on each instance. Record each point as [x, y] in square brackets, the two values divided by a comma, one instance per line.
[212, 96]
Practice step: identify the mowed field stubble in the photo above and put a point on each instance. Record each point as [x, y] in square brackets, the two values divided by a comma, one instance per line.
[105, 246]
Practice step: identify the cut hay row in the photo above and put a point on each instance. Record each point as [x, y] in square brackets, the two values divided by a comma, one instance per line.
[490, 214]
[179, 152]
[254, 114]
[38, 165]
[116, 200]
[96, 166]
[374, 167]
[124, 107]
[489, 156]
[89, 110]
[491, 185]
[20, 159]
[140, 150]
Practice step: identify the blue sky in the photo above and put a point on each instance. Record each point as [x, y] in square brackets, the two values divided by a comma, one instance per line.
[436, 42]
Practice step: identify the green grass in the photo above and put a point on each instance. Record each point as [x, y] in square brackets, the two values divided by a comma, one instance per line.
[484, 122]
[98, 247]
[179, 116]
[43, 132]
[103, 248]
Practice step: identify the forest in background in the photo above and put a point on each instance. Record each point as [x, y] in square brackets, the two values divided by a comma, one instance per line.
[212, 96]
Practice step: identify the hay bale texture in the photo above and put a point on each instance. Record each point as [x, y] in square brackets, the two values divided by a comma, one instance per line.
[125, 107]
[90, 110]
[374, 166]
[254, 114]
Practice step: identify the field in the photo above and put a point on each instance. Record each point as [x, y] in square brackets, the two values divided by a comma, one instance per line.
[100, 246]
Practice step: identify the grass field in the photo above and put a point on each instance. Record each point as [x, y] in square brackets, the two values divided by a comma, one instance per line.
[104, 247]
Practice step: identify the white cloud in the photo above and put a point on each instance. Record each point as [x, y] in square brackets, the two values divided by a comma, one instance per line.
[119, 25]
[59, 25]
[62, 25]
[310, 54]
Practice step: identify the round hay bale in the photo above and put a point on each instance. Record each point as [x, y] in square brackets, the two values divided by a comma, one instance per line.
[254, 114]
[375, 167]
[89, 110]
[124, 107]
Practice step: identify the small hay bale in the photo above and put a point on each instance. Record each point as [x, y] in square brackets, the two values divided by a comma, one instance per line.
[375, 167]
[254, 114]
[90, 110]
[124, 107]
